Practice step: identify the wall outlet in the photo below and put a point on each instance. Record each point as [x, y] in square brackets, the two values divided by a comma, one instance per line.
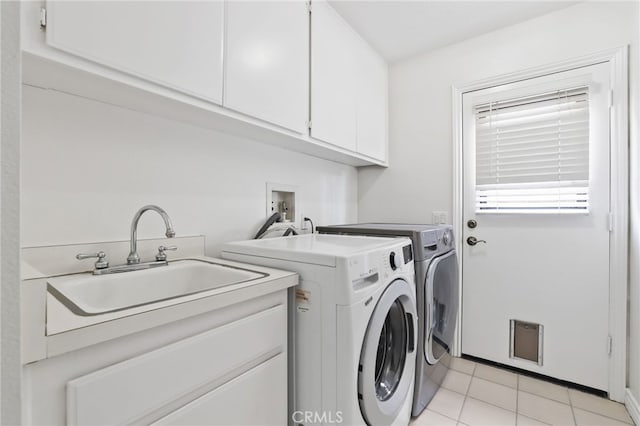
[439, 218]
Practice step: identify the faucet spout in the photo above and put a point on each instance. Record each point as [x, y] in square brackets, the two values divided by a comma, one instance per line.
[133, 257]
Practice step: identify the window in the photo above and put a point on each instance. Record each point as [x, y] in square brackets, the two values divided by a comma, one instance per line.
[532, 153]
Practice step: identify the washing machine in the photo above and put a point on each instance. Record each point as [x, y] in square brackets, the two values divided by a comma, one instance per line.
[353, 325]
[436, 269]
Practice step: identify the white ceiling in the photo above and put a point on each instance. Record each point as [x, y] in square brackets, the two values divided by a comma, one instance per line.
[401, 29]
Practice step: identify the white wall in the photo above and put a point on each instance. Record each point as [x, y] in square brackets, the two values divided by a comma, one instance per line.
[88, 166]
[420, 178]
[10, 371]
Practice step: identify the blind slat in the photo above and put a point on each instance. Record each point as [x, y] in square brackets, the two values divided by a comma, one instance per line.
[533, 200]
[510, 123]
[532, 153]
[511, 158]
[538, 114]
[550, 124]
[533, 143]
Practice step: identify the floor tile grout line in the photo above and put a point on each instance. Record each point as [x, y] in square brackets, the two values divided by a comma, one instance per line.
[497, 383]
[438, 413]
[464, 372]
[573, 413]
[466, 394]
[600, 413]
[517, 389]
[491, 404]
[494, 381]
[571, 406]
[442, 414]
[548, 399]
[532, 418]
[464, 401]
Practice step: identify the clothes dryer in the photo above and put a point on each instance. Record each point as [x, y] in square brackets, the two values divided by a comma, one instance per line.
[437, 294]
[353, 325]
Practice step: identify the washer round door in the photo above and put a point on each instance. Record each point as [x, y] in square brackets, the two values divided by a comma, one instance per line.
[441, 304]
[386, 369]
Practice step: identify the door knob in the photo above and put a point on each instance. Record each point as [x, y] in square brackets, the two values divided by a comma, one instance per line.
[472, 241]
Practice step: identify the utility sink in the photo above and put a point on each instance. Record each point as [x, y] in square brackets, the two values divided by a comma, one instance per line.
[87, 295]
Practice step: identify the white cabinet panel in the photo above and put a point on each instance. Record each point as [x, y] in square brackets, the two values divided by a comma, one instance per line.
[372, 103]
[257, 397]
[132, 389]
[267, 62]
[333, 78]
[176, 44]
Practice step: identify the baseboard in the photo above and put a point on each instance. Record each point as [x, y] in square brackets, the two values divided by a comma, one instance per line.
[632, 406]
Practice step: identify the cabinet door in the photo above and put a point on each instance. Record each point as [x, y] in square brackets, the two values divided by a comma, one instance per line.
[267, 61]
[257, 397]
[172, 43]
[333, 78]
[144, 385]
[372, 103]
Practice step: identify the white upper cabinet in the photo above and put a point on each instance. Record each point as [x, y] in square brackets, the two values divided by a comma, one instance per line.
[333, 78]
[267, 62]
[265, 70]
[372, 101]
[175, 44]
[348, 87]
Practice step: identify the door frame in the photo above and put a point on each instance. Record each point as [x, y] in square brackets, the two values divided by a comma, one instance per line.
[619, 193]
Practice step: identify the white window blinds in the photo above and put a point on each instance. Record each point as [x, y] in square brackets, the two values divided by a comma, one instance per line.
[532, 153]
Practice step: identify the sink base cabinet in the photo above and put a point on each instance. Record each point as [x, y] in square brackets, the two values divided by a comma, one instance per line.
[234, 372]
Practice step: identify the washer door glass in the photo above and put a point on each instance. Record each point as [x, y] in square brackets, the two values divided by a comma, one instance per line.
[441, 305]
[387, 359]
[392, 351]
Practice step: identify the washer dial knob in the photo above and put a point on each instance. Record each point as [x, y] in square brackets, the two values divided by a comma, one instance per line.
[447, 238]
[395, 260]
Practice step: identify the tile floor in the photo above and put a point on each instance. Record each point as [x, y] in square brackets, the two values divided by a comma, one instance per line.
[476, 394]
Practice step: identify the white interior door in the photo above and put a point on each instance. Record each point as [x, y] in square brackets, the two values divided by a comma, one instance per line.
[546, 255]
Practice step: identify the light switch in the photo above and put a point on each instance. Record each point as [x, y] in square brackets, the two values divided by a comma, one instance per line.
[439, 217]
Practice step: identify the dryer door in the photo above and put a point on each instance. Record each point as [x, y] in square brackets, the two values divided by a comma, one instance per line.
[387, 359]
[442, 295]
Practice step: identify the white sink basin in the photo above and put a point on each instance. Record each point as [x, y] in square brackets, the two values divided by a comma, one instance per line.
[87, 294]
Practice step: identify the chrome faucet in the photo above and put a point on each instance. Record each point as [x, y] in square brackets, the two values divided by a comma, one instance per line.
[133, 257]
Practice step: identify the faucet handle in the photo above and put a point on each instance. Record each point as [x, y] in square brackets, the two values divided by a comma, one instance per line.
[162, 256]
[101, 263]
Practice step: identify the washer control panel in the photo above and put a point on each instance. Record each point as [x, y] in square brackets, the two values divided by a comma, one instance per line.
[407, 252]
[399, 258]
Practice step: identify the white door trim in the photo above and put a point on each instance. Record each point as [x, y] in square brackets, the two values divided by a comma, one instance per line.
[619, 181]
